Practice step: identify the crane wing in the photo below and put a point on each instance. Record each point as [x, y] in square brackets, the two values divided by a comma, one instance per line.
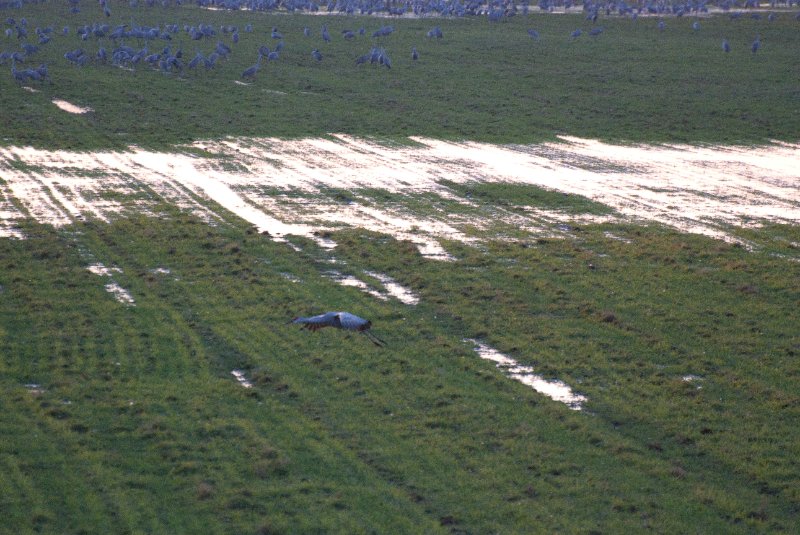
[351, 322]
[328, 319]
[340, 320]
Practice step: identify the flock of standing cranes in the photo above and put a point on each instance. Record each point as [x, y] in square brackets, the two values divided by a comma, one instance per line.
[113, 46]
[156, 46]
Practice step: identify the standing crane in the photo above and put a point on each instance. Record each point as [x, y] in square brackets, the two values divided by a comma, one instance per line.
[756, 44]
[339, 320]
[250, 72]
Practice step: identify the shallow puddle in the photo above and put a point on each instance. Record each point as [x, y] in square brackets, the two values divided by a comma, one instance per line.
[349, 280]
[695, 189]
[239, 375]
[696, 380]
[101, 270]
[395, 289]
[70, 108]
[120, 294]
[391, 288]
[556, 390]
[9, 217]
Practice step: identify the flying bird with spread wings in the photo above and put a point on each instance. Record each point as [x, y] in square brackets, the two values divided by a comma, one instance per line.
[339, 320]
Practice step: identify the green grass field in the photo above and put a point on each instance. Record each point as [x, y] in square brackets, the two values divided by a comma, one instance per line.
[482, 81]
[127, 419]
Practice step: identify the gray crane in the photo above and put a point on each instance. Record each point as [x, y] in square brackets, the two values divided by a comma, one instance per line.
[339, 320]
[756, 44]
[250, 72]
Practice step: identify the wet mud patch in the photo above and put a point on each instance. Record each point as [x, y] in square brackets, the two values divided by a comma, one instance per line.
[335, 208]
[241, 378]
[324, 184]
[118, 292]
[395, 289]
[350, 280]
[70, 107]
[554, 389]
[10, 216]
[390, 287]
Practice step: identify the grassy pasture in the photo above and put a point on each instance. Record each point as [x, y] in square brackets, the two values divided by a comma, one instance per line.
[139, 425]
[126, 419]
[482, 81]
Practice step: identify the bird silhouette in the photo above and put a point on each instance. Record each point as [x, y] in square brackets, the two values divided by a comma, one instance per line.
[756, 44]
[250, 72]
[339, 320]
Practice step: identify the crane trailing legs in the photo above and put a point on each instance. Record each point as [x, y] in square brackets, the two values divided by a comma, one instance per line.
[339, 320]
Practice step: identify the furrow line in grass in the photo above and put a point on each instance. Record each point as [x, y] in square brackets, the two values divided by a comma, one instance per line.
[421, 418]
[19, 497]
[368, 448]
[734, 492]
[161, 351]
[381, 465]
[657, 428]
[58, 475]
[216, 338]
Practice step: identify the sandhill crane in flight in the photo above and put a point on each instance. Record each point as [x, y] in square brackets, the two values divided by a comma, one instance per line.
[339, 320]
